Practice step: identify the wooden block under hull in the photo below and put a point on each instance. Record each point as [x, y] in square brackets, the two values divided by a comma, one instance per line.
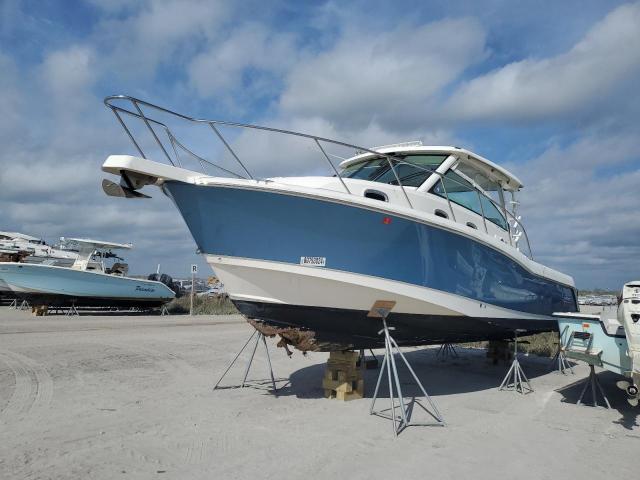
[342, 377]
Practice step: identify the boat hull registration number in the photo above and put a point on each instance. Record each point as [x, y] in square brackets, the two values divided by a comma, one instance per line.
[313, 261]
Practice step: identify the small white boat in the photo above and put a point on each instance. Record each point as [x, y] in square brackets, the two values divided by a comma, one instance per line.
[36, 250]
[610, 343]
[96, 278]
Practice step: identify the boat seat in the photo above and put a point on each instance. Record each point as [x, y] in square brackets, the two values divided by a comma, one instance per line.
[118, 269]
[612, 326]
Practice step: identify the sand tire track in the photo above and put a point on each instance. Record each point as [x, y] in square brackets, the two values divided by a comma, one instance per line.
[33, 387]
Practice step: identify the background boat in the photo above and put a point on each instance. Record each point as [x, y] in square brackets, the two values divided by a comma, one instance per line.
[90, 281]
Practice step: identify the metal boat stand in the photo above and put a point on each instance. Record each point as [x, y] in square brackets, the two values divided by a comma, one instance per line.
[560, 357]
[516, 373]
[593, 382]
[24, 305]
[259, 338]
[402, 421]
[72, 311]
[164, 311]
[14, 304]
[446, 351]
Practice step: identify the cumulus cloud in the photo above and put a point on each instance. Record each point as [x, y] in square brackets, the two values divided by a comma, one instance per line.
[557, 86]
[371, 73]
[68, 71]
[156, 32]
[223, 65]
[11, 98]
[580, 217]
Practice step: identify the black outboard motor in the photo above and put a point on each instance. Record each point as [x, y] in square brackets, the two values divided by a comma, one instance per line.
[167, 280]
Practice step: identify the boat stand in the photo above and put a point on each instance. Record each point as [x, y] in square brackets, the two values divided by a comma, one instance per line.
[513, 379]
[259, 338]
[14, 304]
[447, 351]
[593, 382]
[72, 311]
[164, 311]
[402, 421]
[24, 305]
[560, 357]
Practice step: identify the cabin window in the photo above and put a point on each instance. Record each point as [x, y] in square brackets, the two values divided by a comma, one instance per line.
[412, 170]
[461, 191]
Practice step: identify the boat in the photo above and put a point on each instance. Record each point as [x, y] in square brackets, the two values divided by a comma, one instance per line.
[38, 251]
[10, 254]
[629, 318]
[432, 228]
[97, 278]
[609, 343]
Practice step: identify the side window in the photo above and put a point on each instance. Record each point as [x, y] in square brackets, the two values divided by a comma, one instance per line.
[493, 214]
[461, 191]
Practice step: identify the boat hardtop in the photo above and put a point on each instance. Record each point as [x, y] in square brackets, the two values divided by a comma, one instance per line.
[8, 236]
[86, 243]
[508, 180]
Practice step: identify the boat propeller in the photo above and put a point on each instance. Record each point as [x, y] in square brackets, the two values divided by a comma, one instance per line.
[125, 189]
[632, 391]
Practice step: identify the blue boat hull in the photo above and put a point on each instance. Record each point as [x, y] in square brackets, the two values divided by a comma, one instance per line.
[282, 228]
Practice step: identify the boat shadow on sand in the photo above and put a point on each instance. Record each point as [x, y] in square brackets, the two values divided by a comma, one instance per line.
[617, 398]
[470, 371]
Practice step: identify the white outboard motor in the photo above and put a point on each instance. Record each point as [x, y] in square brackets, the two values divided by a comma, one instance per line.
[629, 317]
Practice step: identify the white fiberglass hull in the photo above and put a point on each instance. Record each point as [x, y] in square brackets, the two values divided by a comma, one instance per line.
[333, 304]
[49, 285]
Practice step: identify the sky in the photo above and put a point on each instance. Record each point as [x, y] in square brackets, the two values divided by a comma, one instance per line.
[547, 89]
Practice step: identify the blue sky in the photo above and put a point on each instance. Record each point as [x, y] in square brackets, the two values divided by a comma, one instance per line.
[547, 88]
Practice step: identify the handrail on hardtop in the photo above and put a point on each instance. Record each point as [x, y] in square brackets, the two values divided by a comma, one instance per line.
[391, 159]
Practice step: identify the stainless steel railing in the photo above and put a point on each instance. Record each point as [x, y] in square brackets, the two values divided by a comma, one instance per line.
[135, 110]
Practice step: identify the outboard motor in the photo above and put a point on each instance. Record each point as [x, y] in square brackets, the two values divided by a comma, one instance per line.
[168, 281]
[629, 317]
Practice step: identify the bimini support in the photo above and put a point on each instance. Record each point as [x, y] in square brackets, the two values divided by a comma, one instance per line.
[514, 378]
[380, 310]
[259, 338]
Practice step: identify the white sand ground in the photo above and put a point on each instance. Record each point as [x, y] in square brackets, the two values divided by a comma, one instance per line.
[130, 397]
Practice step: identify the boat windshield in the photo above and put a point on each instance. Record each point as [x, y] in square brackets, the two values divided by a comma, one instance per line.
[412, 170]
